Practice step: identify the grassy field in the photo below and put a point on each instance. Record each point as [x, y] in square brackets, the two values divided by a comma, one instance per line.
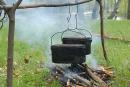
[27, 59]
[118, 52]
[27, 64]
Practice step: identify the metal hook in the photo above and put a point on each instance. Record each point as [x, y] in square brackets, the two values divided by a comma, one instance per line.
[76, 15]
[69, 17]
[2, 19]
[72, 30]
[69, 29]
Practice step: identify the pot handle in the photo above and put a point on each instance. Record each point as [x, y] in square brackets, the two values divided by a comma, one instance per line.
[72, 30]
[53, 36]
[62, 32]
[86, 31]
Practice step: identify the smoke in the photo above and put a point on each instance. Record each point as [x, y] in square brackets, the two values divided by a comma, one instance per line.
[36, 26]
[91, 60]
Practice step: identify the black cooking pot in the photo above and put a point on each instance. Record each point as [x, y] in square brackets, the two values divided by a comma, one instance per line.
[68, 53]
[79, 40]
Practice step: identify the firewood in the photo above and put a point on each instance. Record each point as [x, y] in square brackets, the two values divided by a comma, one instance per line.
[78, 86]
[108, 73]
[81, 84]
[85, 81]
[81, 73]
[68, 83]
[108, 68]
[60, 70]
[96, 78]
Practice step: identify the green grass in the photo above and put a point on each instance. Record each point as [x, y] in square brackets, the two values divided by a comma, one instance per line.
[27, 61]
[118, 52]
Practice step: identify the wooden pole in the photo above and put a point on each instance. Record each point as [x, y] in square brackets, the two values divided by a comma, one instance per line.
[102, 30]
[11, 15]
[25, 6]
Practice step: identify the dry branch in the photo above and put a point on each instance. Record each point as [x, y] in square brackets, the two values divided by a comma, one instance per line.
[16, 5]
[85, 81]
[117, 38]
[114, 38]
[96, 78]
[23, 6]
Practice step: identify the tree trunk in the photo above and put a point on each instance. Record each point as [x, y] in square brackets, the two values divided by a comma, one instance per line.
[95, 11]
[114, 12]
[128, 14]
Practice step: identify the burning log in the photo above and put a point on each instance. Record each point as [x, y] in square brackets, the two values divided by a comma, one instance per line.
[87, 77]
[74, 76]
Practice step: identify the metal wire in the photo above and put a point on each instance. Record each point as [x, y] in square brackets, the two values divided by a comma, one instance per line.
[76, 15]
[71, 29]
[80, 29]
[69, 17]
[53, 36]
[68, 21]
[2, 19]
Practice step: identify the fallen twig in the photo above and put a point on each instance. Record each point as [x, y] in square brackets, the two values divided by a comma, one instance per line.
[115, 38]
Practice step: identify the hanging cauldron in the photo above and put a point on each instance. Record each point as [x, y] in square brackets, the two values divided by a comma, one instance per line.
[68, 53]
[79, 40]
[72, 50]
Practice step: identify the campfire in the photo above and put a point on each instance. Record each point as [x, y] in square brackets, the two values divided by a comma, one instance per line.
[82, 76]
